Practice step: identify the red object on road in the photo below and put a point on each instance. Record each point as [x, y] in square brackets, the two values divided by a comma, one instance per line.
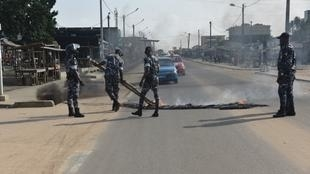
[179, 64]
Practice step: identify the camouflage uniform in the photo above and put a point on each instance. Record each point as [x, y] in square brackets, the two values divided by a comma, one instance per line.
[73, 80]
[286, 77]
[73, 83]
[151, 69]
[151, 80]
[113, 75]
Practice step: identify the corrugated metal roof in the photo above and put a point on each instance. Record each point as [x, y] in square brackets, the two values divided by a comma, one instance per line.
[8, 43]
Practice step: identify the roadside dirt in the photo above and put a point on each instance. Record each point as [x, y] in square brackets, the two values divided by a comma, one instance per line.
[46, 140]
[41, 140]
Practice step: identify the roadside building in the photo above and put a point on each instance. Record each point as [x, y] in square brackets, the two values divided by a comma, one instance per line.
[215, 40]
[252, 33]
[88, 38]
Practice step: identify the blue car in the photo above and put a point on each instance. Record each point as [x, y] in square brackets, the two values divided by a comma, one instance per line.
[167, 70]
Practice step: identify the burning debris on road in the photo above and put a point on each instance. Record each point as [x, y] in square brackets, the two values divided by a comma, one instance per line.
[229, 106]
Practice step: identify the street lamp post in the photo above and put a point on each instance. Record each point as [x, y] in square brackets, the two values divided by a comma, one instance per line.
[287, 19]
[101, 49]
[124, 20]
[133, 27]
[242, 25]
[210, 34]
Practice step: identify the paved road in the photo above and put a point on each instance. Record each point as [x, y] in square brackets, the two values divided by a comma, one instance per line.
[208, 141]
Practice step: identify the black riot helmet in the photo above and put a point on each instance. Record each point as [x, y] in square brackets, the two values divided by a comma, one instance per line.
[72, 49]
[148, 50]
[284, 39]
[119, 52]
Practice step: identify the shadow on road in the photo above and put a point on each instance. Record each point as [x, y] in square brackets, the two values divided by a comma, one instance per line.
[238, 117]
[48, 118]
[233, 120]
[103, 121]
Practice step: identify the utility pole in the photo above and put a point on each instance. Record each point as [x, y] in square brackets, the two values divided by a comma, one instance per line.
[124, 20]
[124, 25]
[210, 34]
[116, 17]
[108, 37]
[134, 26]
[287, 20]
[188, 40]
[242, 30]
[101, 49]
[198, 37]
[109, 19]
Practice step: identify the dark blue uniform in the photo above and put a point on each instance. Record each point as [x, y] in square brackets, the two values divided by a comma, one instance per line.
[151, 78]
[151, 68]
[114, 68]
[73, 82]
[286, 77]
[149, 81]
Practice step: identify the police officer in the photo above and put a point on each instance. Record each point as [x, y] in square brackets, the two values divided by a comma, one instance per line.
[286, 77]
[149, 81]
[73, 80]
[113, 75]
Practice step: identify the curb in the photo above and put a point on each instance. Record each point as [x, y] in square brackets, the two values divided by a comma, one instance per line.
[226, 67]
[34, 104]
[273, 75]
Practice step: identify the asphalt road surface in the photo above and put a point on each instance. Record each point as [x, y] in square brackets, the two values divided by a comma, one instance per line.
[208, 141]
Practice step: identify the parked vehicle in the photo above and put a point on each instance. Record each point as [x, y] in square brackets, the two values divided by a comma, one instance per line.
[167, 70]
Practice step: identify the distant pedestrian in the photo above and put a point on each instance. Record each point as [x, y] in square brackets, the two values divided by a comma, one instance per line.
[149, 81]
[113, 75]
[73, 80]
[286, 77]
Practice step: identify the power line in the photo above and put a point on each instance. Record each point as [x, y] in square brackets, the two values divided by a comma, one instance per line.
[106, 5]
[253, 3]
[237, 20]
[99, 23]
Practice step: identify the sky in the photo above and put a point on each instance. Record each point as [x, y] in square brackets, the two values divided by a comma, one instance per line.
[170, 20]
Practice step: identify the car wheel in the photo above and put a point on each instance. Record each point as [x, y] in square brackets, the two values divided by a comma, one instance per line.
[175, 81]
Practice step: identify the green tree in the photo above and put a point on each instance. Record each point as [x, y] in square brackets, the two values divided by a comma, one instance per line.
[34, 20]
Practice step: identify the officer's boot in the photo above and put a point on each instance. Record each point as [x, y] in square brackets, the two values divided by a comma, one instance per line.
[281, 112]
[139, 111]
[155, 114]
[290, 110]
[116, 105]
[113, 106]
[77, 113]
[71, 112]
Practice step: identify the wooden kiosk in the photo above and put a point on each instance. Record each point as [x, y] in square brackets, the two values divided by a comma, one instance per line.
[37, 63]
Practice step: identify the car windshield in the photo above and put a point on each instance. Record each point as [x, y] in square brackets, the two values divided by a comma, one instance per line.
[177, 59]
[165, 62]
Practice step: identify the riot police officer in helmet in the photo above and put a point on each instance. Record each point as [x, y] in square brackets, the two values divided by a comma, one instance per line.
[73, 80]
[113, 75]
[286, 76]
[149, 81]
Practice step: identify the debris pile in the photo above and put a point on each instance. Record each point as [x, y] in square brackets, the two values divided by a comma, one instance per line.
[229, 106]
